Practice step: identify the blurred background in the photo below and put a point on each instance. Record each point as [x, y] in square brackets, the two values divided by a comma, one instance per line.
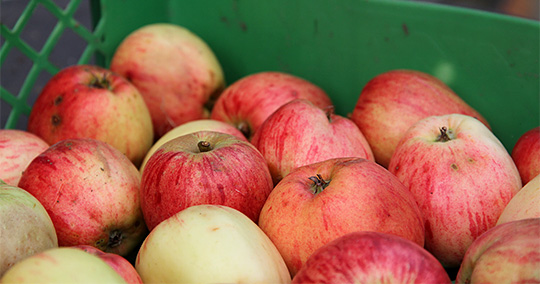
[70, 46]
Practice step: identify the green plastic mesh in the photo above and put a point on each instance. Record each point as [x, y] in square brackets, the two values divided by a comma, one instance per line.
[40, 58]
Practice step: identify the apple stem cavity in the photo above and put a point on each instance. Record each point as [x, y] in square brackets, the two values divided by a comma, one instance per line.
[319, 184]
[100, 83]
[115, 239]
[244, 128]
[445, 135]
[204, 146]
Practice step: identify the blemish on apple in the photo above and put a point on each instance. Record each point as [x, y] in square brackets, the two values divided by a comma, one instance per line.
[56, 120]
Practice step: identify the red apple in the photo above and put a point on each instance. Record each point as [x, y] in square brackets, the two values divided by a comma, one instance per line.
[121, 265]
[525, 204]
[17, 149]
[526, 154]
[299, 133]
[394, 100]
[506, 253]
[317, 203]
[205, 167]
[174, 69]
[371, 257]
[84, 101]
[249, 101]
[190, 127]
[461, 176]
[91, 192]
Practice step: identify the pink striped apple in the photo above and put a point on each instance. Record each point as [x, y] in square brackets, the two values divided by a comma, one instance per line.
[86, 101]
[526, 154]
[249, 101]
[461, 176]
[175, 70]
[204, 167]
[91, 192]
[394, 100]
[299, 133]
[17, 149]
[319, 202]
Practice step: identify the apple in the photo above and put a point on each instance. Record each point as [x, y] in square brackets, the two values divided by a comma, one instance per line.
[190, 127]
[461, 176]
[526, 154]
[210, 244]
[250, 100]
[25, 226]
[17, 149]
[506, 253]
[205, 167]
[525, 204]
[175, 70]
[317, 203]
[299, 133]
[85, 101]
[371, 257]
[62, 265]
[121, 265]
[91, 192]
[394, 100]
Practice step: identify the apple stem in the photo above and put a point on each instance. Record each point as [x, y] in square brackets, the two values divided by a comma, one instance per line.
[443, 137]
[319, 184]
[204, 146]
[100, 83]
[329, 112]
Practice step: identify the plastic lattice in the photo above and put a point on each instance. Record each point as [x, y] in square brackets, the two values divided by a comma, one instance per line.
[40, 59]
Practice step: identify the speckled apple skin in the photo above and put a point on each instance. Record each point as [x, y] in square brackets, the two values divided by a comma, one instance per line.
[461, 186]
[507, 253]
[526, 154]
[121, 265]
[17, 149]
[70, 107]
[174, 69]
[361, 196]
[394, 100]
[253, 98]
[371, 257]
[178, 176]
[299, 133]
[89, 189]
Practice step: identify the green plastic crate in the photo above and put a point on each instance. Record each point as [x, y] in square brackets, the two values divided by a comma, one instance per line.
[490, 60]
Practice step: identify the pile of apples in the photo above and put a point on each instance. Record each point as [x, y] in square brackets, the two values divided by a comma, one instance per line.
[155, 170]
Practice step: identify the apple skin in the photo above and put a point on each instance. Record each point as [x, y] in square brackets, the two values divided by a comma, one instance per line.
[371, 257]
[17, 149]
[394, 100]
[210, 244]
[25, 226]
[85, 101]
[526, 154]
[91, 192]
[121, 265]
[461, 185]
[179, 175]
[299, 133]
[525, 204]
[361, 196]
[506, 253]
[190, 127]
[62, 265]
[250, 100]
[177, 73]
